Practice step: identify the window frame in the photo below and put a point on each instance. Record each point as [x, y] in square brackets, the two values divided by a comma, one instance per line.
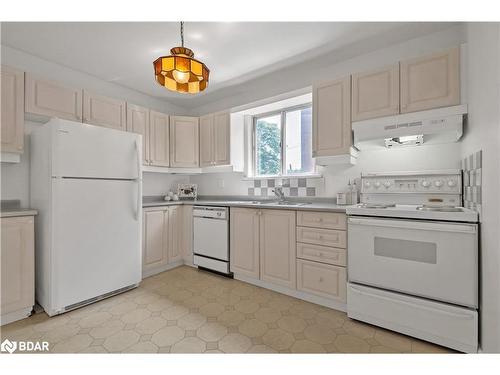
[282, 112]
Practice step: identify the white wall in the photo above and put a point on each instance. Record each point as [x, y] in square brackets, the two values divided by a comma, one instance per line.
[300, 76]
[330, 66]
[15, 177]
[336, 178]
[59, 73]
[483, 133]
[161, 183]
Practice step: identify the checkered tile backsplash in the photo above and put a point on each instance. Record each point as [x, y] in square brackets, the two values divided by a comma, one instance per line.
[292, 187]
[472, 167]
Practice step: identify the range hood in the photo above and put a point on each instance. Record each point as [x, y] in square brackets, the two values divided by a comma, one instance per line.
[441, 125]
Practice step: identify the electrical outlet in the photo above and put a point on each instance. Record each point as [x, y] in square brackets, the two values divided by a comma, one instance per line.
[220, 183]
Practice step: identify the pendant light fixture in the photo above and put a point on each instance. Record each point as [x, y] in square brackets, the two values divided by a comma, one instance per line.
[180, 71]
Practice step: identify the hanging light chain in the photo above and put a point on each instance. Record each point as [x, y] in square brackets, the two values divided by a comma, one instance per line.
[182, 33]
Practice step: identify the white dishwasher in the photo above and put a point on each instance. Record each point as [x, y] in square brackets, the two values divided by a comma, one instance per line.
[211, 241]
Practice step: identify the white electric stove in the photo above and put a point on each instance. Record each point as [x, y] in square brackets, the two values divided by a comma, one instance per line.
[413, 257]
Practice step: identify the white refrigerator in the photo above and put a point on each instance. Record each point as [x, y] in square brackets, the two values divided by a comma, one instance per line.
[86, 184]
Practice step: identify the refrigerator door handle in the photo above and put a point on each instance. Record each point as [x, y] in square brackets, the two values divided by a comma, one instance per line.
[139, 198]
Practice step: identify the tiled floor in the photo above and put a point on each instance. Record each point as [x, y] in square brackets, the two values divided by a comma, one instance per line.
[189, 311]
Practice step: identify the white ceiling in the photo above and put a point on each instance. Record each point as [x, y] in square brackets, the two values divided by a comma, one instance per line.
[123, 52]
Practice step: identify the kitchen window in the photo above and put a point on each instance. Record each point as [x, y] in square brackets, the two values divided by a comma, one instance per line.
[282, 142]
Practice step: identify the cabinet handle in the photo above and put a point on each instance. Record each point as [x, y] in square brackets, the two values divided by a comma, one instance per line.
[320, 279]
[320, 236]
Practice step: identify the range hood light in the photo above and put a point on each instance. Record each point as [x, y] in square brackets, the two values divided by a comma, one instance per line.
[410, 140]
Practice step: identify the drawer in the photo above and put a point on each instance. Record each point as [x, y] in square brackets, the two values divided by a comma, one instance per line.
[325, 237]
[324, 254]
[326, 220]
[323, 280]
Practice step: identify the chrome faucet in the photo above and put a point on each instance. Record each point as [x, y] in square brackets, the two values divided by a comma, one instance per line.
[278, 191]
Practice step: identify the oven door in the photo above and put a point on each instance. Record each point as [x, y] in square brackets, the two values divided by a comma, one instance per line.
[437, 260]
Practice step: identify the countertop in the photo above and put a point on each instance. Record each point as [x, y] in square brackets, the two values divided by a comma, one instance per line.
[12, 208]
[317, 204]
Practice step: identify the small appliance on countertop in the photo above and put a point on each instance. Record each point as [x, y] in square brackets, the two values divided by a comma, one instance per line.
[187, 191]
[413, 257]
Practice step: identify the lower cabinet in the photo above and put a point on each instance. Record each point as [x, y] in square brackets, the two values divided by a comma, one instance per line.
[244, 242]
[321, 279]
[175, 233]
[263, 245]
[277, 247]
[162, 245]
[18, 268]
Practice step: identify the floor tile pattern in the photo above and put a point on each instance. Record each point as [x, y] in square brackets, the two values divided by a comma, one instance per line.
[189, 311]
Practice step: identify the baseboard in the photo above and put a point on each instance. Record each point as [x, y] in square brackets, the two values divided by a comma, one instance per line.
[154, 271]
[336, 305]
[15, 315]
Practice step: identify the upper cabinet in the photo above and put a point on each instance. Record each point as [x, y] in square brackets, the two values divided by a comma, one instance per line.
[375, 93]
[206, 140]
[51, 99]
[103, 111]
[222, 138]
[332, 118]
[138, 122]
[159, 139]
[12, 116]
[215, 139]
[430, 82]
[184, 142]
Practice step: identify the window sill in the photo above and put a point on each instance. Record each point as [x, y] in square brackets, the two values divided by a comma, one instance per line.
[310, 175]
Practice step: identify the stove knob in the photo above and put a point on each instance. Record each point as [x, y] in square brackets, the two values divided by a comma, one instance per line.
[377, 184]
[438, 183]
[387, 184]
[426, 183]
[452, 183]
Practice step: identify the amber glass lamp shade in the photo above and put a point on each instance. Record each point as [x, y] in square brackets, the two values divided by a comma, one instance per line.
[180, 72]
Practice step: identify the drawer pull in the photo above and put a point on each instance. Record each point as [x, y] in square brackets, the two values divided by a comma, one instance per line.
[320, 279]
[320, 236]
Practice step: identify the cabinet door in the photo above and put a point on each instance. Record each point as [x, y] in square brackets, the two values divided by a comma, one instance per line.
[222, 138]
[12, 116]
[18, 264]
[52, 99]
[175, 234]
[187, 234]
[138, 122]
[159, 138]
[430, 82]
[323, 280]
[155, 239]
[277, 247]
[244, 242]
[207, 140]
[184, 142]
[375, 93]
[332, 118]
[104, 111]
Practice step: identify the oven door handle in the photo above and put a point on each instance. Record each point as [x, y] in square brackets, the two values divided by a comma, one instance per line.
[418, 225]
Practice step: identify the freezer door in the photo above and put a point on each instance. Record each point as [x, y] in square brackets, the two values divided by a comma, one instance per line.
[82, 150]
[96, 238]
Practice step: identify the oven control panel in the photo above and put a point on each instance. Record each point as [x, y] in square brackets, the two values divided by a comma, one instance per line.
[444, 184]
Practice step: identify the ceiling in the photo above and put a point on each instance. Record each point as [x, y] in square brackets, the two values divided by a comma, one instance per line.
[235, 52]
